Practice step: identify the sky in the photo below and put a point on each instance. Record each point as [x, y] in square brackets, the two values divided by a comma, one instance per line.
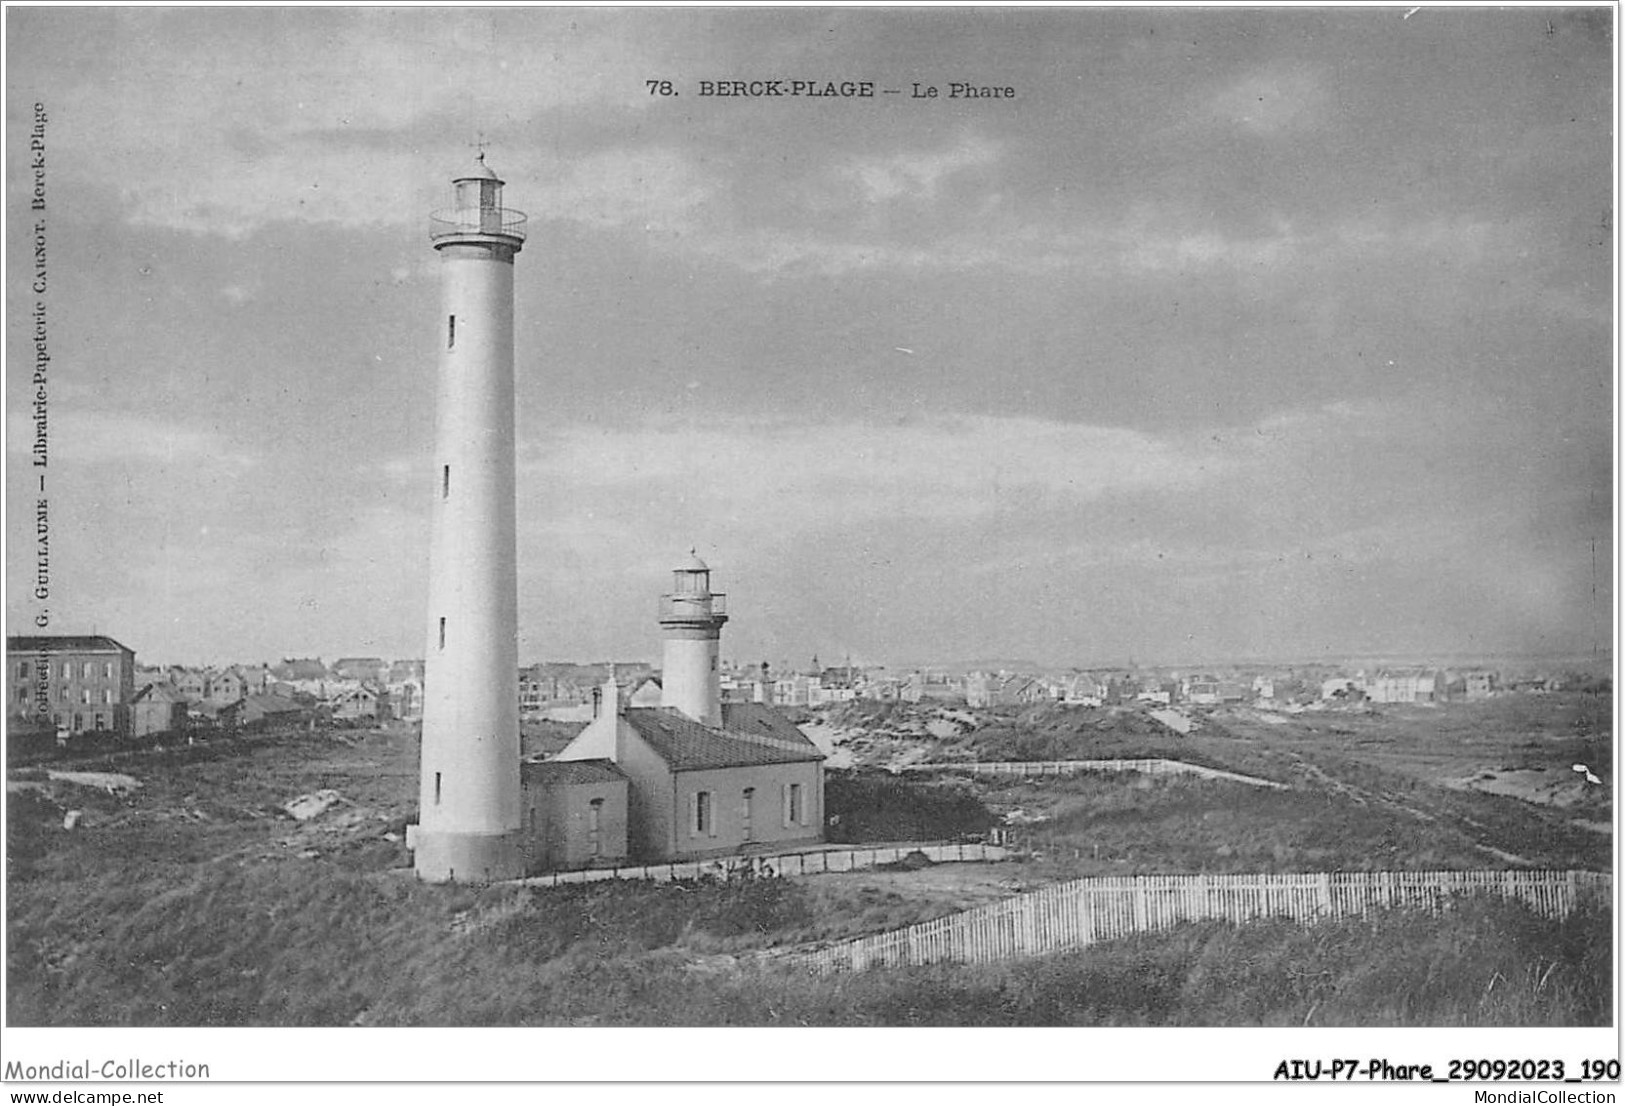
[1232, 334]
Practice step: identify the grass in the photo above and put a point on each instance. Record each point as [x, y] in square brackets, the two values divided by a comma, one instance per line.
[195, 901]
[296, 945]
[878, 806]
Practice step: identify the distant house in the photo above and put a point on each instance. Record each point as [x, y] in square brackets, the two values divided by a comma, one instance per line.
[1478, 685]
[260, 711]
[1020, 690]
[156, 709]
[405, 699]
[79, 684]
[1405, 686]
[1339, 687]
[360, 669]
[227, 687]
[980, 689]
[1084, 690]
[256, 678]
[296, 669]
[192, 683]
[1202, 691]
[361, 704]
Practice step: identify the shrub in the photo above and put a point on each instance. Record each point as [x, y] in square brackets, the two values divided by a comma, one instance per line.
[877, 806]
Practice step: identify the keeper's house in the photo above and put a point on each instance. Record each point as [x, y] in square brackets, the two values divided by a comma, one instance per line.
[704, 778]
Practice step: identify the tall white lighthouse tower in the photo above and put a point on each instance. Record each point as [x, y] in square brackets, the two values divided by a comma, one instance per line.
[469, 825]
[691, 619]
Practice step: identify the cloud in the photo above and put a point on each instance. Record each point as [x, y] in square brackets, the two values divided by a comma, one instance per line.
[798, 477]
[1272, 100]
[917, 175]
[649, 188]
[339, 118]
[123, 438]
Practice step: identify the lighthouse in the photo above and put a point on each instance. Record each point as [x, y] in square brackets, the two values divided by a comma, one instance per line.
[469, 827]
[691, 619]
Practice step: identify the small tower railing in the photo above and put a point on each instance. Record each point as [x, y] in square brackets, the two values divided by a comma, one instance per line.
[714, 605]
[488, 220]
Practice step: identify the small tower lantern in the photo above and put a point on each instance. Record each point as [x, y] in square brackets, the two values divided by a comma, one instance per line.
[691, 619]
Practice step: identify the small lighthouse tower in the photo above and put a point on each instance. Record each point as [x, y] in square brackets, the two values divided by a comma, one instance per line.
[469, 826]
[691, 619]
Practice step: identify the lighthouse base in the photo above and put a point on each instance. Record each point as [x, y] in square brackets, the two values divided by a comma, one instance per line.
[448, 857]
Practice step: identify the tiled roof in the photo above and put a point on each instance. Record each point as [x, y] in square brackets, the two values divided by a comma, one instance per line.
[686, 745]
[66, 643]
[761, 719]
[553, 773]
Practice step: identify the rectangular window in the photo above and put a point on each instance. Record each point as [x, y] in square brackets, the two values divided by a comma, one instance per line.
[86, 670]
[745, 813]
[451, 331]
[442, 633]
[22, 695]
[107, 695]
[65, 696]
[107, 670]
[795, 805]
[22, 671]
[595, 811]
[445, 482]
[84, 695]
[67, 671]
[437, 789]
[702, 814]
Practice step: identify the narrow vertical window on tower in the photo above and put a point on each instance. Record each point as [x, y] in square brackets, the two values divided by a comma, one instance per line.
[442, 633]
[437, 789]
[445, 482]
[451, 331]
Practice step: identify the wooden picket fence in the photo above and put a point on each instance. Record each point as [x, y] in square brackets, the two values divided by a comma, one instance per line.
[801, 862]
[1082, 912]
[1156, 766]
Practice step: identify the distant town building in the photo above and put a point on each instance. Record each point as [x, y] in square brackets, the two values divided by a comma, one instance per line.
[79, 684]
[1405, 687]
[359, 704]
[360, 669]
[291, 669]
[158, 708]
[227, 687]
